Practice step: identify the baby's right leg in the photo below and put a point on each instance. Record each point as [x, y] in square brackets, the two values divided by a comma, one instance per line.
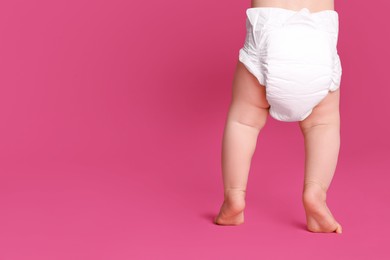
[246, 117]
[321, 131]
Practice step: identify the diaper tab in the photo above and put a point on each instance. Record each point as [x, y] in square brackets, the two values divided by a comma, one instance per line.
[301, 17]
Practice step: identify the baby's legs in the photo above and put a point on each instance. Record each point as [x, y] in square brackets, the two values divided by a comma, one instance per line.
[321, 131]
[246, 117]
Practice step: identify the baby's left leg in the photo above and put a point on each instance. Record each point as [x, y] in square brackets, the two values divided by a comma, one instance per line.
[321, 132]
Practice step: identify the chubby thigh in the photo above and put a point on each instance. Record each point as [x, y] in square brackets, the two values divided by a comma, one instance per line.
[249, 105]
[327, 112]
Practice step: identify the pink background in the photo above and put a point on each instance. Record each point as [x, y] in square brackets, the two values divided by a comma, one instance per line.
[112, 115]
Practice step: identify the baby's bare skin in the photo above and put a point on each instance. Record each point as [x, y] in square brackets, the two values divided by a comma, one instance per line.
[312, 5]
[247, 115]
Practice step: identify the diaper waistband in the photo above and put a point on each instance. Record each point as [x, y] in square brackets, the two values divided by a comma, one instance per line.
[280, 10]
[260, 17]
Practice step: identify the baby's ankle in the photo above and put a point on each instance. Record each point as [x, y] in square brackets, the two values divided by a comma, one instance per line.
[234, 192]
[235, 199]
[314, 192]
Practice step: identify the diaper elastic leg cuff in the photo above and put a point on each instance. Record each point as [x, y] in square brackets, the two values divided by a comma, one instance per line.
[243, 57]
[334, 87]
[306, 115]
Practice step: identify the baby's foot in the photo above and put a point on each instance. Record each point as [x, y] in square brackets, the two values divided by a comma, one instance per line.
[232, 209]
[318, 216]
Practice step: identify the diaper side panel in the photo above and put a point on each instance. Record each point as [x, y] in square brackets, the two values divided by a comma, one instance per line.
[249, 53]
[330, 25]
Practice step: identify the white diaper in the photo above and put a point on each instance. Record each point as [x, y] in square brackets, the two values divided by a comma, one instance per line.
[294, 55]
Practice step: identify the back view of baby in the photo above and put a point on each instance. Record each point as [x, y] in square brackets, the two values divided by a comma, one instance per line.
[289, 68]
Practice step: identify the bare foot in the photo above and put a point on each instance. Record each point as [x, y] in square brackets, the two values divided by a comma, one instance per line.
[318, 216]
[232, 209]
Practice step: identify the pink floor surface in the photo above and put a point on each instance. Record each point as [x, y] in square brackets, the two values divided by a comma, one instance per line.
[162, 207]
[110, 138]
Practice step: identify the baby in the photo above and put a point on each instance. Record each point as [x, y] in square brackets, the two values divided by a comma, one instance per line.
[288, 67]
